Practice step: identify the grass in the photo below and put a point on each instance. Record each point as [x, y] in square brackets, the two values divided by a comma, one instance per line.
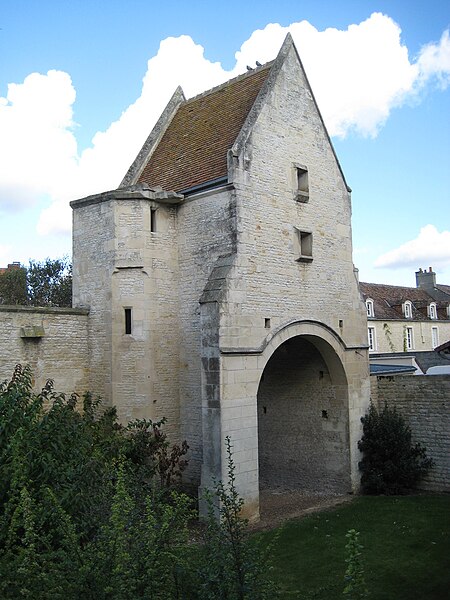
[406, 549]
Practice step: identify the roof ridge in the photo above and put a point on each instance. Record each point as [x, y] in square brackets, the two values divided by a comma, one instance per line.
[212, 90]
[409, 287]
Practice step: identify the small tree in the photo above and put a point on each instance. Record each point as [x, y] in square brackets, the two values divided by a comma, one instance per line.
[50, 282]
[391, 463]
[233, 566]
[13, 286]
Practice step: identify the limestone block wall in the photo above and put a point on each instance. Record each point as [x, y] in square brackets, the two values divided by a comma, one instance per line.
[269, 282]
[145, 281]
[126, 259]
[59, 353]
[206, 230]
[390, 336]
[424, 402]
[93, 248]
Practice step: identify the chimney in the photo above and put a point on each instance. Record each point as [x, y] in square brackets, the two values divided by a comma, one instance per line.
[426, 280]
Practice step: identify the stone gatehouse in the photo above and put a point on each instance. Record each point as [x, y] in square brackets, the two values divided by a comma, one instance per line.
[221, 289]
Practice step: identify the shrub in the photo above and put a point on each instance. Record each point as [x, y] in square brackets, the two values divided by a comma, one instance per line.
[89, 509]
[391, 463]
[232, 566]
[355, 584]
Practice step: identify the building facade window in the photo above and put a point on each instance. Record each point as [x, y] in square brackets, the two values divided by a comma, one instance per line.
[432, 312]
[371, 339]
[303, 241]
[128, 321]
[302, 183]
[434, 337]
[153, 220]
[409, 338]
[407, 310]
[369, 308]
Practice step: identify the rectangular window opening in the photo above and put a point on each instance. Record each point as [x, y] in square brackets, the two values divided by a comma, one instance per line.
[302, 194]
[434, 337]
[153, 220]
[128, 321]
[267, 323]
[409, 338]
[304, 241]
[371, 338]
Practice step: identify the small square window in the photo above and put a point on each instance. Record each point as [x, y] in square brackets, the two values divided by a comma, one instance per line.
[302, 192]
[303, 245]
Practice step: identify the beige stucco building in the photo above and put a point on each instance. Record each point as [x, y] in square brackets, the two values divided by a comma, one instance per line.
[406, 324]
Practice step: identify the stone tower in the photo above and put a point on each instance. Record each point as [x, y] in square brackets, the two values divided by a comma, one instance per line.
[221, 287]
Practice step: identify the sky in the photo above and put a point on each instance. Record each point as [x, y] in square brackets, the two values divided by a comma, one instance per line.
[83, 81]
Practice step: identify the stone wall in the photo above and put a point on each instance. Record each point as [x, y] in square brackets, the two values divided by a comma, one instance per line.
[53, 341]
[206, 231]
[269, 285]
[424, 402]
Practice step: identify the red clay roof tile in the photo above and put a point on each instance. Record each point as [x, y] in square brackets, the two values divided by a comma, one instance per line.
[193, 149]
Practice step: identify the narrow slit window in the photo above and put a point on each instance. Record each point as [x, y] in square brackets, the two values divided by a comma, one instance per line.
[434, 337]
[409, 338]
[371, 338]
[153, 220]
[128, 320]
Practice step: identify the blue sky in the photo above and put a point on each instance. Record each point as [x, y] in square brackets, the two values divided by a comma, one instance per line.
[82, 82]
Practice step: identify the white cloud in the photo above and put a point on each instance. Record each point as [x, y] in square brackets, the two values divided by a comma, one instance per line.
[434, 61]
[358, 76]
[429, 248]
[38, 150]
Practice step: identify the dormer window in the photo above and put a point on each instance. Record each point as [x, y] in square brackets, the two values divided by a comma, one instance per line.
[369, 308]
[407, 310]
[432, 312]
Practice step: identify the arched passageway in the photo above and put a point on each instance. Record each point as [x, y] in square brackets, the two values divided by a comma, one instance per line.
[303, 437]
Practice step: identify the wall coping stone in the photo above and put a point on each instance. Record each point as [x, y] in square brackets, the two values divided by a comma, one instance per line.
[58, 310]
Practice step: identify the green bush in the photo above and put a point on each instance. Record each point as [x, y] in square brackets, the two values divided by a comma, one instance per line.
[90, 509]
[391, 463]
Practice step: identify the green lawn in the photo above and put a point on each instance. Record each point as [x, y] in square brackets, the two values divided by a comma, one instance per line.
[406, 549]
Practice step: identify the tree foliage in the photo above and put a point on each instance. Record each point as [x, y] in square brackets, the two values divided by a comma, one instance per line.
[45, 283]
[13, 286]
[391, 463]
[49, 282]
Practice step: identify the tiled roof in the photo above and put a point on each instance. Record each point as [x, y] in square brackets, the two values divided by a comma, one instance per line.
[444, 288]
[388, 300]
[193, 149]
